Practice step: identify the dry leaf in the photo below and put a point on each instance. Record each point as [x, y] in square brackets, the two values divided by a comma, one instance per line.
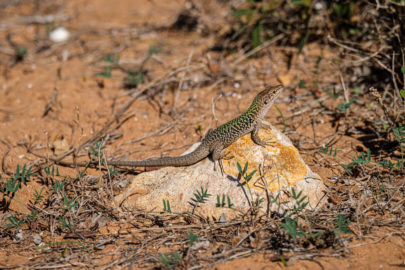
[60, 146]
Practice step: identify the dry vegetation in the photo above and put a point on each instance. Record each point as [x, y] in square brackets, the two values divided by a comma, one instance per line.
[343, 63]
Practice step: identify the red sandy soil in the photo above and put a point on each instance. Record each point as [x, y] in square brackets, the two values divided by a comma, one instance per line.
[85, 101]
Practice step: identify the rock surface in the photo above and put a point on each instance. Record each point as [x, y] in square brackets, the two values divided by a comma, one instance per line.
[279, 167]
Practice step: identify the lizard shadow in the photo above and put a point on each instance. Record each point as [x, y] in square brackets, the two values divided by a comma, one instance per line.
[238, 182]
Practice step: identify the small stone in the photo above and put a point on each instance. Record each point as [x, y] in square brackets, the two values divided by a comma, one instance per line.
[222, 218]
[60, 34]
[18, 237]
[37, 239]
[100, 247]
[199, 245]
[319, 5]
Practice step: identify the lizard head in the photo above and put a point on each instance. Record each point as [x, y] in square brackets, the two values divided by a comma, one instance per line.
[265, 99]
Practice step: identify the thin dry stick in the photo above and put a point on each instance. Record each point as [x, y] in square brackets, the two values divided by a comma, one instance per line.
[266, 188]
[109, 183]
[346, 92]
[164, 79]
[247, 236]
[258, 48]
[52, 102]
[372, 56]
[377, 95]
[3, 162]
[116, 117]
[213, 101]
[397, 92]
[182, 78]
[159, 131]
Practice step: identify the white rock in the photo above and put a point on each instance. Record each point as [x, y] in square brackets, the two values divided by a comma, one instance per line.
[282, 168]
[59, 34]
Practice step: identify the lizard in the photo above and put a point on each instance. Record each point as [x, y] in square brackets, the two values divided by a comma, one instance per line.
[216, 141]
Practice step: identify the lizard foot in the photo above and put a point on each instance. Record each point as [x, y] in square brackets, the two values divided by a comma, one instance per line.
[227, 155]
[221, 167]
[268, 142]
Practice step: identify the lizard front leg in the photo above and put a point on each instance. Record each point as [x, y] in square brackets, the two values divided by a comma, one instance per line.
[256, 139]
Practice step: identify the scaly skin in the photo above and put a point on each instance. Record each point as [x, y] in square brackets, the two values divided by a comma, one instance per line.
[217, 140]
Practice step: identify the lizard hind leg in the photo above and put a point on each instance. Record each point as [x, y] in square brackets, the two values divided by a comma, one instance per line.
[226, 155]
[218, 152]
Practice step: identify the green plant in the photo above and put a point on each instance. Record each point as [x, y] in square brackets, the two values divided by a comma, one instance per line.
[192, 238]
[201, 197]
[24, 174]
[65, 242]
[106, 73]
[361, 158]
[33, 215]
[112, 171]
[132, 80]
[166, 206]
[344, 106]
[96, 151]
[329, 150]
[301, 84]
[334, 95]
[38, 196]
[291, 227]
[251, 22]
[153, 50]
[282, 117]
[111, 59]
[20, 53]
[301, 202]
[14, 222]
[391, 165]
[69, 204]
[399, 134]
[11, 187]
[291, 224]
[258, 203]
[50, 171]
[171, 259]
[58, 186]
[228, 202]
[135, 77]
[82, 173]
[243, 174]
[50, 26]
[65, 223]
[342, 225]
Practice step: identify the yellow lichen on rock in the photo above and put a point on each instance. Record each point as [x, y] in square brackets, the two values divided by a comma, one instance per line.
[279, 162]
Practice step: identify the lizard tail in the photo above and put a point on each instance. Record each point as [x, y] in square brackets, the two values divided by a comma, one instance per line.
[189, 159]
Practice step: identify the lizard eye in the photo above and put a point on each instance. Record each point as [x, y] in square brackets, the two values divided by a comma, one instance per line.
[265, 102]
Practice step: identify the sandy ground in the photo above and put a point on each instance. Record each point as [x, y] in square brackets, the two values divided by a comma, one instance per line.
[86, 101]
